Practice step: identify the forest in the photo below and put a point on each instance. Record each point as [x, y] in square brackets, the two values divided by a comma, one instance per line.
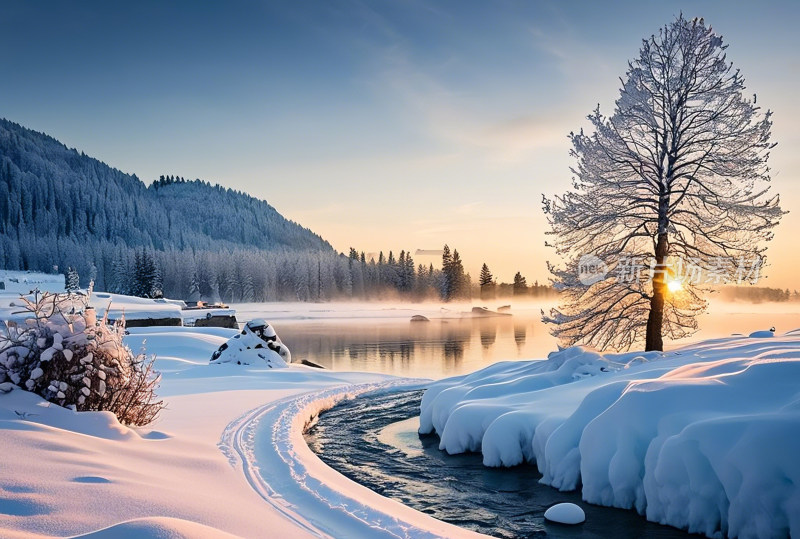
[63, 211]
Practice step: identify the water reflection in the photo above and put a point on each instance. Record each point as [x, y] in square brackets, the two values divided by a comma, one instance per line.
[441, 347]
[488, 329]
[520, 332]
[453, 346]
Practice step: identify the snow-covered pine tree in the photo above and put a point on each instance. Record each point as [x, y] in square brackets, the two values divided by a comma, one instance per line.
[92, 273]
[678, 171]
[72, 281]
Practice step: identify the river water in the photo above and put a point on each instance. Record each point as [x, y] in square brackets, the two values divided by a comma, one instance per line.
[373, 441]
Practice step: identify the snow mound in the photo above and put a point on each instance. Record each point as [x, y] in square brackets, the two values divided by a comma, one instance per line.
[565, 513]
[23, 410]
[703, 438]
[256, 344]
[158, 528]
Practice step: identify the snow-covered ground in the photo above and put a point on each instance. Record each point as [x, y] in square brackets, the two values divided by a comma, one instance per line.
[706, 437]
[133, 308]
[204, 469]
[22, 282]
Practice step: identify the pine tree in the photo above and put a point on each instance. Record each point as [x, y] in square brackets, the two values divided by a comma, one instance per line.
[71, 281]
[520, 285]
[194, 287]
[458, 279]
[92, 273]
[446, 291]
[486, 282]
[486, 277]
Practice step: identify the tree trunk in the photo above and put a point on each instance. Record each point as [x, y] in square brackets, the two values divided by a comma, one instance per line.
[653, 339]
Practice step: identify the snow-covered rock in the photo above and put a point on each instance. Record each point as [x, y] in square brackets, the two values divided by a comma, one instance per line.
[704, 438]
[257, 343]
[565, 513]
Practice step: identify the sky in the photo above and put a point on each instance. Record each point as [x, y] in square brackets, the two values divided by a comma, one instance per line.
[382, 125]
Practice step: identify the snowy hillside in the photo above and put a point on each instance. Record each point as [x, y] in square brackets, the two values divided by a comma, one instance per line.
[706, 437]
[66, 208]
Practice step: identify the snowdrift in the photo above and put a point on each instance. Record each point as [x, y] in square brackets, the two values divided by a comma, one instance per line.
[705, 438]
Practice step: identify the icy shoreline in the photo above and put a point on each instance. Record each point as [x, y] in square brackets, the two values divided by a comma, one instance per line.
[703, 438]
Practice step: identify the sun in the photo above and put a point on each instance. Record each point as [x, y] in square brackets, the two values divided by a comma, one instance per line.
[674, 286]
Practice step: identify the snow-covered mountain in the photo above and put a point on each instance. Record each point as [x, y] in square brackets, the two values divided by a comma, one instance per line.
[61, 207]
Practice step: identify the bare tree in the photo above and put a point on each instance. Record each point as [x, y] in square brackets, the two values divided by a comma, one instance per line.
[676, 177]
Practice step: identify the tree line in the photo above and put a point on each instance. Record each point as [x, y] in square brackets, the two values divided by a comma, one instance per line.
[246, 275]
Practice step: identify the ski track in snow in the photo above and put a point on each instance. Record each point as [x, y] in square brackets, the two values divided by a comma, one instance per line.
[280, 467]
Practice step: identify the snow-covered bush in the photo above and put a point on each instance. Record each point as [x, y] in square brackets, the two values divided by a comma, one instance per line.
[61, 353]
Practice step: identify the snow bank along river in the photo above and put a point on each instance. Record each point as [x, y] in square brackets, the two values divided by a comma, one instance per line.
[705, 438]
[373, 440]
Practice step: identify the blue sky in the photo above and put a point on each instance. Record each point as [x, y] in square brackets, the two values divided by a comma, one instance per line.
[382, 125]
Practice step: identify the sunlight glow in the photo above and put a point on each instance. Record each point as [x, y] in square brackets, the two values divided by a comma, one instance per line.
[674, 286]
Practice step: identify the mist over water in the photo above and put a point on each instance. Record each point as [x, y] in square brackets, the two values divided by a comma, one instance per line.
[380, 337]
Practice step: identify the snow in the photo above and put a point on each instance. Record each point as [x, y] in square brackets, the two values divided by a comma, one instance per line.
[22, 282]
[565, 513]
[190, 316]
[134, 308]
[157, 528]
[257, 343]
[704, 438]
[763, 334]
[197, 471]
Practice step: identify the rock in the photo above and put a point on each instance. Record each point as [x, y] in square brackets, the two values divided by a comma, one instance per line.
[565, 513]
[504, 309]
[150, 322]
[311, 364]
[217, 321]
[482, 312]
[419, 318]
[763, 334]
